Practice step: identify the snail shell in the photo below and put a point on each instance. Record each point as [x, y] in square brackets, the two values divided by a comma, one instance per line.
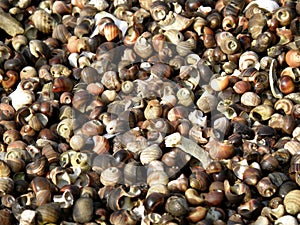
[249, 59]
[151, 153]
[207, 102]
[250, 99]
[175, 21]
[257, 24]
[65, 128]
[38, 167]
[28, 216]
[6, 185]
[292, 58]
[291, 202]
[7, 112]
[134, 173]
[159, 10]
[61, 33]
[219, 83]
[157, 177]
[61, 7]
[174, 36]
[83, 210]
[101, 144]
[142, 47]
[15, 164]
[43, 21]
[48, 213]
[111, 31]
[153, 109]
[21, 97]
[110, 80]
[19, 41]
[185, 97]
[184, 48]
[220, 150]
[154, 201]
[111, 176]
[38, 121]
[265, 187]
[287, 219]
[177, 205]
[261, 113]
[122, 216]
[284, 15]
[292, 146]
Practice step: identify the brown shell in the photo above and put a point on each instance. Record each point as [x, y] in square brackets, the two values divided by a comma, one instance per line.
[60, 32]
[256, 24]
[101, 144]
[292, 58]
[43, 21]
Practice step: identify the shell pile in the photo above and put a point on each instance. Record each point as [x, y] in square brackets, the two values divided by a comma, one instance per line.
[143, 112]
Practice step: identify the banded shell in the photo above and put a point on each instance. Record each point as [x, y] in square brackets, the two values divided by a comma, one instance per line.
[291, 202]
[250, 99]
[6, 186]
[151, 153]
[111, 176]
[43, 21]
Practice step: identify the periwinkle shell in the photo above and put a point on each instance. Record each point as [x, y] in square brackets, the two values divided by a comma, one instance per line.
[291, 202]
[177, 205]
[83, 210]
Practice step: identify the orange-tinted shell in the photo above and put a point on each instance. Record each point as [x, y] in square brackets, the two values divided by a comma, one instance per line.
[72, 45]
[292, 58]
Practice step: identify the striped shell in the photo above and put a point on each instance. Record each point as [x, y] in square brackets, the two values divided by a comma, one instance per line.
[43, 21]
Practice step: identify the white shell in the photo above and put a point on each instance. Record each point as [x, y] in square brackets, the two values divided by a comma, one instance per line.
[65, 200]
[99, 4]
[188, 146]
[28, 217]
[197, 117]
[286, 220]
[173, 21]
[73, 59]
[269, 5]
[20, 97]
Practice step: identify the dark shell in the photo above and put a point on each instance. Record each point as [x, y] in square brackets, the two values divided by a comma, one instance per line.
[177, 205]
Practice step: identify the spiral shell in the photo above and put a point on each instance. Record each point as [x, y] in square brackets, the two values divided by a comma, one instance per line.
[60, 32]
[43, 21]
[175, 21]
[48, 213]
[153, 109]
[111, 176]
[159, 10]
[291, 202]
[142, 47]
[261, 112]
[248, 59]
[250, 99]
[151, 153]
